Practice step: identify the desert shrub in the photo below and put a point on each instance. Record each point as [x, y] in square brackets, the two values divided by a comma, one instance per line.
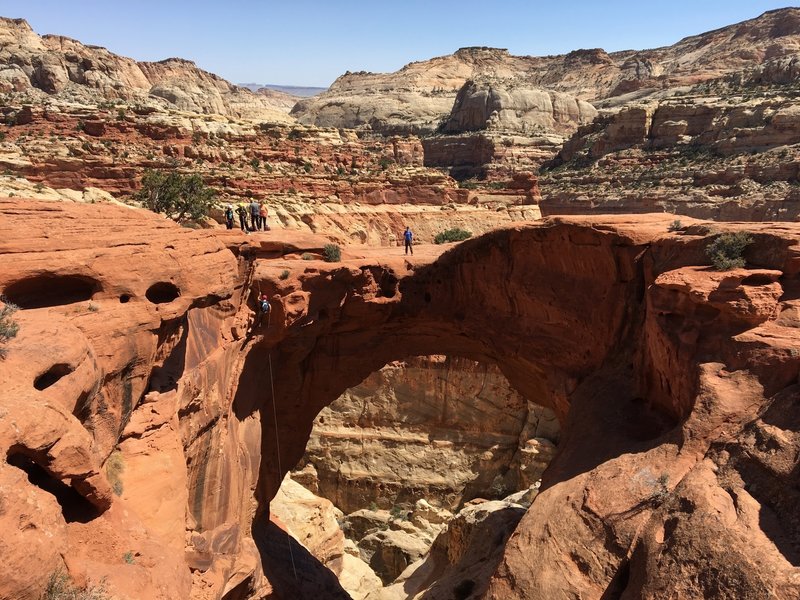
[60, 587]
[307, 256]
[115, 465]
[331, 253]
[180, 197]
[255, 163]
[726, 252]
[284, 275]
[8, 326]
[398, 512]
[455, 234]
[675, 225]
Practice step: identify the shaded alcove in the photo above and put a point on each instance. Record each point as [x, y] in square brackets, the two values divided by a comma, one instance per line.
[162, 292]
[51, 289]
[74, 507]
[52, 376]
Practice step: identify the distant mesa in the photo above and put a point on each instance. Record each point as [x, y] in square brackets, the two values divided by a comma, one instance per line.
[292, 90]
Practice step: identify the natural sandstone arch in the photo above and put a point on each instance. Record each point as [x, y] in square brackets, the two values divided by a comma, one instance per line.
[610, 326]
[613, 321]
[548, 305]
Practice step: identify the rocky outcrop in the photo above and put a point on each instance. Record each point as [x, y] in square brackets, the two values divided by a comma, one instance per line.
[674, 386]
[499, 105]
[702, 156]
[69, 70]
[418, 96]
[463, 557]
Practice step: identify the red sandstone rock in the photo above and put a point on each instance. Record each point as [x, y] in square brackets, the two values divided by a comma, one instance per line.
[674, 386]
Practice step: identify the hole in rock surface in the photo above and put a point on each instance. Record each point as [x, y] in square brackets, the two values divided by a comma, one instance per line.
[388, 285]
[402, 453]
[757, 279]
[124, 299]
[74, 507]
[51, 290]
[162, 292]
[52, 376]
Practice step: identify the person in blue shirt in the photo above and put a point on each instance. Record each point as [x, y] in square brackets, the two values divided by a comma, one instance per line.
[408, 236]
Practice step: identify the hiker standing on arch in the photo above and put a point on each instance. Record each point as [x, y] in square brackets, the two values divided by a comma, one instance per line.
[255, 215]
[408, 237]
[242, 212]
[262, 211]
[229, 216]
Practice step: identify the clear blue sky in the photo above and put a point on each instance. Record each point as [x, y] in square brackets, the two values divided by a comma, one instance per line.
[311, 42]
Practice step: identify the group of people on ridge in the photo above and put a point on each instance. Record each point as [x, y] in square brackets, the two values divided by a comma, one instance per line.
[256, 211]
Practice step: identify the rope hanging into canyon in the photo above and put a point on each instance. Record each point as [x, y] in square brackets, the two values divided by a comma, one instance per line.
[278, 448]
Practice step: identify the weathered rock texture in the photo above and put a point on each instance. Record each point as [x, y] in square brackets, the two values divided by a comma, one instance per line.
[733, 158]
[675, 386]
[72, 71]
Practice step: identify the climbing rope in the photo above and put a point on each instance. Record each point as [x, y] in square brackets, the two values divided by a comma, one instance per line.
[278, 448]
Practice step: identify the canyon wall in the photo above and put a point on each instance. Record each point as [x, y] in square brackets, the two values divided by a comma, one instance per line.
[673, 385]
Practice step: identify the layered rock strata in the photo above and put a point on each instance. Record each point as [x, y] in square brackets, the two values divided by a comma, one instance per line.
[417, 97]
[359, 190]
[52, 65]
[725, 159]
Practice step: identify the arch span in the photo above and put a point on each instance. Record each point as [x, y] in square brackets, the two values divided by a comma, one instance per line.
[613, 323]
[549, 305]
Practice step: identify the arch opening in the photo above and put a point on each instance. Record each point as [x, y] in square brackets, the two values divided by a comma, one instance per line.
[405, 450]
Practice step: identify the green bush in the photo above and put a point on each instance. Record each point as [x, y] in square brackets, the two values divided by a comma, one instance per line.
[60, 587]
[307, 256]
[455, 234]
[8, 326]
[180, 197]
[675, 225]
[726, 251]
[284, 275]
[331, 253]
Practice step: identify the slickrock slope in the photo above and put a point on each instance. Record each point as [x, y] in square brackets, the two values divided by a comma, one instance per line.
[675, 387]
[65, 69]
[421, 94]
